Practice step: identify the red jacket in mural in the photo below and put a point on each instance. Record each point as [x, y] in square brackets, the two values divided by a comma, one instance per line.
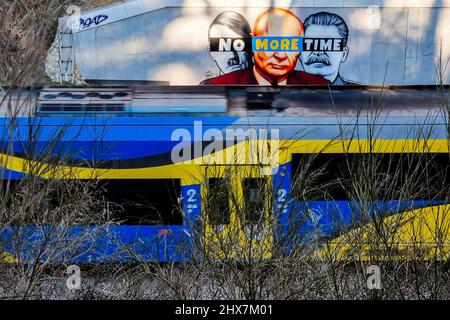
[246, 77]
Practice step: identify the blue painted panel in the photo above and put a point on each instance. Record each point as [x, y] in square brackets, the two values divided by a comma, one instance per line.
[96, 244]
[8, 174]
[282, 185]
[90, 150]
[317, 219]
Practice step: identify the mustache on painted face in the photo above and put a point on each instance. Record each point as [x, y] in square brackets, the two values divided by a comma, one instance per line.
[318, 59]
[233, 62]
[237, 62]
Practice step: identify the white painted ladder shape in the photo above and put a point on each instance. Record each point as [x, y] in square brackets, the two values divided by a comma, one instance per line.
[66, 54]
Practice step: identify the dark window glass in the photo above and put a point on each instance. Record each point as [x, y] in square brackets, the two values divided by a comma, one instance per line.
[217, 205]
[7, 188]
[254, 195]
[319, 176]
[143, 201]
[50, 108]
[81, 107]
[389, 176]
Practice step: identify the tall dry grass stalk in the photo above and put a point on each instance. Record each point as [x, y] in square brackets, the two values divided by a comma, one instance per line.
[36, 214]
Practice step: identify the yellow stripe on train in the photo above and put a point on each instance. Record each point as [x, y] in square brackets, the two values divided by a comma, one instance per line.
[8, 258]
[188, 171]
[421, 233]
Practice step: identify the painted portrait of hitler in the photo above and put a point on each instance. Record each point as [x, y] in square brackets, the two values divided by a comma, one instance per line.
[229, 25]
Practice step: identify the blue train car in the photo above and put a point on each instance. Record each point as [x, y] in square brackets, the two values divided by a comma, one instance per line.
[169, 147]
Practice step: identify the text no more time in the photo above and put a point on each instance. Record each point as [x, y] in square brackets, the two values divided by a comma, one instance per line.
[277, 44]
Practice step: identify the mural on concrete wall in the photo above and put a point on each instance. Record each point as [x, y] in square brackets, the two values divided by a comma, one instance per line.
[298, 46]
[323, 49]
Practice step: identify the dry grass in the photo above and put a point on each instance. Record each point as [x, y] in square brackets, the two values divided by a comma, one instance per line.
[28, 29]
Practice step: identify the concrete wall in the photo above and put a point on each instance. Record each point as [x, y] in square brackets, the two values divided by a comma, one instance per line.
[398, 44]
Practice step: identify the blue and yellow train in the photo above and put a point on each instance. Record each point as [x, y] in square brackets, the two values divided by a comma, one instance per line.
[171, 147]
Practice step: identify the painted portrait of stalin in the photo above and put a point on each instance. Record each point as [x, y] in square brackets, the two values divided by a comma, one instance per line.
[272, 68]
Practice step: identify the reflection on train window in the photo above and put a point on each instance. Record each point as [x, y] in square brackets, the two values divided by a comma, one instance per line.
[254, 195]
[382, 176]
[217, 204]
[143, 201]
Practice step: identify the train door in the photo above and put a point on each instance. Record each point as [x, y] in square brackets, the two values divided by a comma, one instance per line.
[257, 216]
[237, 210]
[155, 217]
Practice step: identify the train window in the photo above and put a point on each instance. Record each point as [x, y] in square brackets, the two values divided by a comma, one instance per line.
[319, 176]
[7, 190]
[73, 107]
[144, 201]
[8, 184]
[217, 204]
[419, 176]
[376, 176]
[254, 196]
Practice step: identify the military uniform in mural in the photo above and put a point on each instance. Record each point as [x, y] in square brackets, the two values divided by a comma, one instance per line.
[229, 25]
[247, 77]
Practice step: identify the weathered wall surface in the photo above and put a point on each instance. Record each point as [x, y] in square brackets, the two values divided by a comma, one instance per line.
[398, 44]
